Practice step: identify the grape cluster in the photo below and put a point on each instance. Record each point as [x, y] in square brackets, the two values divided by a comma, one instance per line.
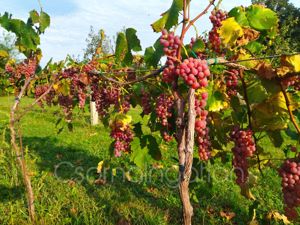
[194, 72]
[123, 137]
[104, 97]
[171, 44]
[231, 79]
[163, 109]
[292, 82]
[66, 102]
[216, 19]
[90, 66]
[26, 68]
[78, 88]
[40, 90]
[202, 131]
[146, 103]
[290, 174]
[244, 147]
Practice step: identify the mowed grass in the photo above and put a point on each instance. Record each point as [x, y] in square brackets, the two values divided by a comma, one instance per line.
[63, 172]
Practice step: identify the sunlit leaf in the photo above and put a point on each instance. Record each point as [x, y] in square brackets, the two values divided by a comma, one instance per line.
[230, 31]
[169, 18]
[261, 18]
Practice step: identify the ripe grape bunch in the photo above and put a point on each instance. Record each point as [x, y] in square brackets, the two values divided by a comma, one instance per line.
[194, 72]
[231, 79]
[123, 136]
[292, 82]
[164, 108]
[146, 102]
[202, 131]
[171, 44]
[105, 97]
[216, 19]
[26, 68]
[290, 174]
[40, 90]
[244, 147]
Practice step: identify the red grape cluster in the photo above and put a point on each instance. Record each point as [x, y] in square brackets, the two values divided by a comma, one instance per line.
[78, 88]
[216, 19]
[105, 97]
[123, 137]
[194, 72]
[66, 102]
[90, 66]
[164, 108]
[26, 68]
[231, 79]
[292, 82]
[202, 131]
[40, 90]
[244, 147]
[146, 102]
[290, 174]
[171, 44]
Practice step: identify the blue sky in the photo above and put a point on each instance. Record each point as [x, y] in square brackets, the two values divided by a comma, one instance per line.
[71, 19]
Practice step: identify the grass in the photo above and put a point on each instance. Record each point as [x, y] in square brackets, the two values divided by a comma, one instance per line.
[70, 195]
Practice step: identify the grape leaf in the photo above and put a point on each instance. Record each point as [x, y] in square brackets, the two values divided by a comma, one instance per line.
[169, 18]
[291, 61]
[44, 21]
[230, 31]
[261, 18]
[240, 16]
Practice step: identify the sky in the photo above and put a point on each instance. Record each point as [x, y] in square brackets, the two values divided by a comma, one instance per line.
[71, 20]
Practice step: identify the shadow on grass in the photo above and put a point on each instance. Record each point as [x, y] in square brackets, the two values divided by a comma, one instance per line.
[74, 164]
[9, 194]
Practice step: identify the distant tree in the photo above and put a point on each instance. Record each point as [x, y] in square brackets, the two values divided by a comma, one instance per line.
[97, 41]
[289, 16]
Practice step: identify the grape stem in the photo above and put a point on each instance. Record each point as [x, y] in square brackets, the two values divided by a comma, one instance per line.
[19, 151]
[28, 108]
[249, 113]
[288, 105]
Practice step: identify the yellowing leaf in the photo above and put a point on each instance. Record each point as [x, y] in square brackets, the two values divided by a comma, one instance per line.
[277, 216]
[265, 70]
[99, 167]
[292, 62]
[249, 64]
[3, 54]
[230, 31]
[282, 71]
[249, 35]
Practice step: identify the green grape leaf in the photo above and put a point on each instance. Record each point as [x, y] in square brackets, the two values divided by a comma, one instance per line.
[27, 38]
[154, 54]
[261, 18]
[198, 46]
[256, 92]
[121, 47]
[34, 16]
[255, 47]
[132, 40]
[240, 16]
[139, 156]
[44, 21]
[276, 138]
[153, 147]
[169, 18]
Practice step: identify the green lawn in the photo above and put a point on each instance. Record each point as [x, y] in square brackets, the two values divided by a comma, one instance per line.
[69, 195]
